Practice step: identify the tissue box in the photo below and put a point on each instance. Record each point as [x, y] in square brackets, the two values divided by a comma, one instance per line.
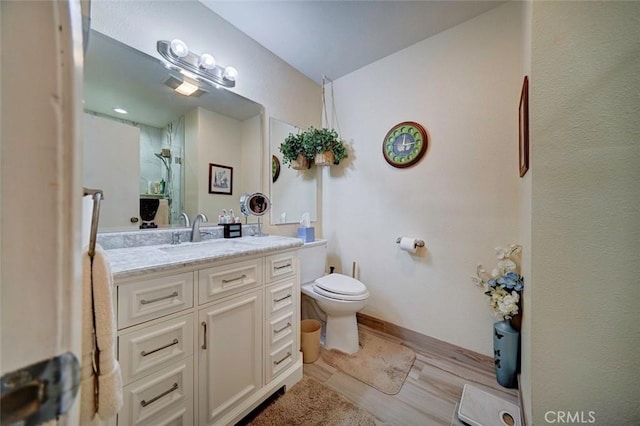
[307, 235]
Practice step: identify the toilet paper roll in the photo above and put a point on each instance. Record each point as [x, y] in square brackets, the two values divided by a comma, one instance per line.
[408, 244]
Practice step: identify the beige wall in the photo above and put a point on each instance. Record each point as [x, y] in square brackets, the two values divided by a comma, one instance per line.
[250, 178]
[585, 233]
[463, 85]
[524, 198]
[214, 138]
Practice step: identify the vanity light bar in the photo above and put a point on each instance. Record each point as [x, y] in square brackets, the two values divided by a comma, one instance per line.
[203, 67]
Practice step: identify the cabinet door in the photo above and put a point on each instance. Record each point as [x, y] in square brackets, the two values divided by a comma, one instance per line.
[230, 354]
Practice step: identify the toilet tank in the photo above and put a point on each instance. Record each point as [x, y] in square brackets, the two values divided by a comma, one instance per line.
[313, 260]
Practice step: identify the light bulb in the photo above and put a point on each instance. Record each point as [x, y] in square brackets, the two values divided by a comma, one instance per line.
[179, 48]
[207, 61]
[230, 73]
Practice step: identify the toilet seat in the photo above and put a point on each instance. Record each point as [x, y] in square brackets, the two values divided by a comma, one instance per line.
[341, 287]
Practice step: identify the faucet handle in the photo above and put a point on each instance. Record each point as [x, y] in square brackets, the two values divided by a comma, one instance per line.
[175, 238]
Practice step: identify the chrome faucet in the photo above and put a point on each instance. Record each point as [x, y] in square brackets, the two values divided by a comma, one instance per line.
[183, 215]
[195, 230]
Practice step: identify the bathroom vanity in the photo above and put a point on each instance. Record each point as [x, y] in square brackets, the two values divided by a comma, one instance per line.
[206, 331]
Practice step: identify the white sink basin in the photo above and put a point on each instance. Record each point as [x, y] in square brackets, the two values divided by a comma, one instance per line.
[204, 247]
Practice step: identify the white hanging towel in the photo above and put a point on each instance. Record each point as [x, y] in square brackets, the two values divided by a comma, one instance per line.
[101, 377]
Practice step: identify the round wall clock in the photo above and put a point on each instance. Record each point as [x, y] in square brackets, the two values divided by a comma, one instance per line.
[405, 144]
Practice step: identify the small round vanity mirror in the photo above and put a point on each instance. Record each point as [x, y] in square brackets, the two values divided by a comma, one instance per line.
[256, 204]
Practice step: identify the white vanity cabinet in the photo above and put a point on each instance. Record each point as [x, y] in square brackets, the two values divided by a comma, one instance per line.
[230, 354]
[155, 350]
[205, 345]
[281, 314]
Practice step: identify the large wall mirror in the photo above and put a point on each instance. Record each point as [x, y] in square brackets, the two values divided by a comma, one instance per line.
[153, 162]
[293, 192]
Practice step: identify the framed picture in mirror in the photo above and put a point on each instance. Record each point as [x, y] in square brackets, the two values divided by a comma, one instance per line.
[220, 179]
[523, 124]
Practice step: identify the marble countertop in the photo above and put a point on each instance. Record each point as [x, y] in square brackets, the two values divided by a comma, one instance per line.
[134, 261]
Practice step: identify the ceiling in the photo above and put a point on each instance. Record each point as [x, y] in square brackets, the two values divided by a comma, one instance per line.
[335, 38]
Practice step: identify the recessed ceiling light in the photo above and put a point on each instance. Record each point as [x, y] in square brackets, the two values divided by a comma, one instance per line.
[186, 88]
[120, 110]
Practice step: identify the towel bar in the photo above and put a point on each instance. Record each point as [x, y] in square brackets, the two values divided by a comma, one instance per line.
[97, 195]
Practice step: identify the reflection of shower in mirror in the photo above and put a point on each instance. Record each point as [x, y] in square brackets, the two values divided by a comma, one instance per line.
[165, 157]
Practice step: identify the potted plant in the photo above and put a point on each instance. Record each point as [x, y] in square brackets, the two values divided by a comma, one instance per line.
[293, 152]
[324, 145]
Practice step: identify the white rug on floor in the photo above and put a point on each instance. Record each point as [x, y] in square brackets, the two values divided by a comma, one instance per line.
[480, 408]
[379, 363]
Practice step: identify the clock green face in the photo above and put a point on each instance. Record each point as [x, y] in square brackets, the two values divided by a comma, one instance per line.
[405, 144]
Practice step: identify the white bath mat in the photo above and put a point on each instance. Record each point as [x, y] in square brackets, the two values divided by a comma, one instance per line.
[479, 408]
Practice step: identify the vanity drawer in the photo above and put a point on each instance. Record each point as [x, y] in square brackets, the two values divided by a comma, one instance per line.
[279, 266]
[180, 415]
[280, 359]
[280, 296]
[280, 330]
[150, 299]
[163, 392]
[144, 351]
[215, 283]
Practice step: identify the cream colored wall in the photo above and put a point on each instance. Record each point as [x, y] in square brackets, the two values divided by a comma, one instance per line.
[284, 92]
[214, 138]
[585, 230]
[250, 178]
[524, 197]
[219, 142]
[463, 85]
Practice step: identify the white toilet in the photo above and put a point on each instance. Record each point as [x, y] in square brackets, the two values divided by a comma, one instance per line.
[337, 295]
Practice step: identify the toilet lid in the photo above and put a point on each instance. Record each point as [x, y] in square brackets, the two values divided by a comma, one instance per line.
[340, 286]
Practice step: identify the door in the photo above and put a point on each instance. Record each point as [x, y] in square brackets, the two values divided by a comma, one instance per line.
[230, 367]
[112, 163]
[40, 268]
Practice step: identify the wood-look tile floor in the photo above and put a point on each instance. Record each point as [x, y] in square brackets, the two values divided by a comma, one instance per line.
[430, 393]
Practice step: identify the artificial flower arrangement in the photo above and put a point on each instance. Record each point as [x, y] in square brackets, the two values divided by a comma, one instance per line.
[504, 284]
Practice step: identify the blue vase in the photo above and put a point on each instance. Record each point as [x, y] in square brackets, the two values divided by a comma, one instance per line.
[505, 353]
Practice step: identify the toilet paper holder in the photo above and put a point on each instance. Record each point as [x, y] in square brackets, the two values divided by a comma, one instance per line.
[419, 243]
